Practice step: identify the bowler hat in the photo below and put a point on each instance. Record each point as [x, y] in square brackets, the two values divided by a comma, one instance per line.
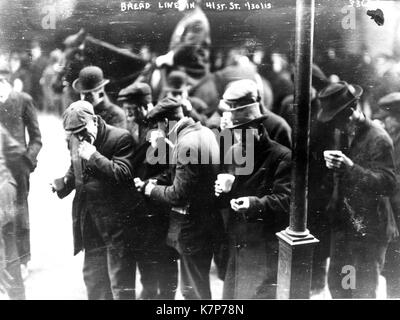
[77, 115]
[169, 108]
[176, 81]
[335, 98]
[90, 78]
[140, 92]
[390, 103]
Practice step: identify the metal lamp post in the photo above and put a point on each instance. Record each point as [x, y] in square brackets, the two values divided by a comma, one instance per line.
[296, 243]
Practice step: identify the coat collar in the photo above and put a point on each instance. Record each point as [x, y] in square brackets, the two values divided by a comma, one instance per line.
[361, 130]
[183, 127]
[101, 133]
[104, 105]
[13, 96]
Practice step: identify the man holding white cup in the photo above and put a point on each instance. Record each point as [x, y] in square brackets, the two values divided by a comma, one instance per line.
[258, 201]
[362, 221]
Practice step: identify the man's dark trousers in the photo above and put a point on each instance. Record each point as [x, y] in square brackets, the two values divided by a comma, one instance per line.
[109, 273]
[364, 257]
[13, 266]
[195, 274]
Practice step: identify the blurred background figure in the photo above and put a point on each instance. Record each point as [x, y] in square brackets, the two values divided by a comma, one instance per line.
[239, 66]
[177, 87]
[52, 100]
[280, 79]
[38, 64]
[146, 53]
[20, 73]
[10, 270]
[18, 116]
[390, 116]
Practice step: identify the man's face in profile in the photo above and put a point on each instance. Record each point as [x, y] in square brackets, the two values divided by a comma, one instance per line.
[344, 120]
[134, 111]
[93, 97]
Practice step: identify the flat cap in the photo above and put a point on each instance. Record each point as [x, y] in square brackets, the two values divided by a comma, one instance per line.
[169, 108]
[241, 89]
[77, 115]
[136, 92]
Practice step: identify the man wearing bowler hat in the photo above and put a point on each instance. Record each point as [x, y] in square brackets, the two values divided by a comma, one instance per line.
[363, 172]
[90, 85]
[100, 173]
[156, 261]
[188, 191]
[258, 202]
[390, 115]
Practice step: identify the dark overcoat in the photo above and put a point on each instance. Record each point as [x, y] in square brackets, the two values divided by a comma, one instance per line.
[363, 207]
[151, 217]
[111, 113]
[18, 115]
[190, 185]
[253, 246]
[102, 205]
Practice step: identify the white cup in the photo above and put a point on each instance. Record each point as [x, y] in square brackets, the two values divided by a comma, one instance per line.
[154, 136]
[225, 180]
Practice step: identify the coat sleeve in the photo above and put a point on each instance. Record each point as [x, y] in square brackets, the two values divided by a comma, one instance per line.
[379, 177]
[284, 136]
[181, 190]
[118, 169]
[35, 137]
[278, 201]
[69, 185]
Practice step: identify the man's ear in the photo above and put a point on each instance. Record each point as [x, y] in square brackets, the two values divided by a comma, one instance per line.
[95, 120]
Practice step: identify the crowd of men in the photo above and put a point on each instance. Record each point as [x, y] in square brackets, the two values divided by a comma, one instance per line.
[165, 178]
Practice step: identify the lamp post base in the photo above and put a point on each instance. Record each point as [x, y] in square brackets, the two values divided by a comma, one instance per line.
[295, 264]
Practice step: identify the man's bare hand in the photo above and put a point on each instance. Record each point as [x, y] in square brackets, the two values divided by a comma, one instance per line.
[240, 205]
[139, 184]
[149, 187]
[86, 150]
[337, 160]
